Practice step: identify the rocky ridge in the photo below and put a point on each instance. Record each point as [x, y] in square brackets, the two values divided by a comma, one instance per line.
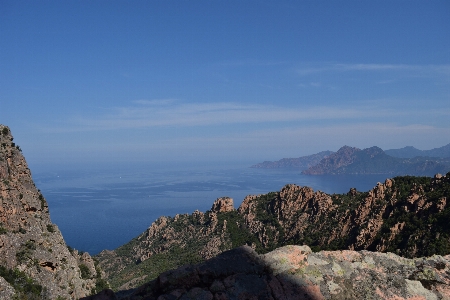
[405, 215]
[30, 244]
[169, 242]
[295, 272]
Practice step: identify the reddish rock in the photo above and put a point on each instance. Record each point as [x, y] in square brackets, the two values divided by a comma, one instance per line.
[223, 204]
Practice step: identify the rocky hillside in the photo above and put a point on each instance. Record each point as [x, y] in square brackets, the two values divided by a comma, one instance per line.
[301, 163]
[295, 272]
[35, 262]
[405, 215]
[350, 160]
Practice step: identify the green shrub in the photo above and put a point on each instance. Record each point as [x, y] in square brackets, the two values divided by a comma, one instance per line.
[85, 273]
[100, 285]
[50, 228]
[42, 199]
[24, 286]
[30, 245]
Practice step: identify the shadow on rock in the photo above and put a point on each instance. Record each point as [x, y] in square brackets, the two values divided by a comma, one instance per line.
[236, 274]
[294, 272]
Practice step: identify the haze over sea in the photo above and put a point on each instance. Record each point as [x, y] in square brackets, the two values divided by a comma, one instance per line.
[102, 207]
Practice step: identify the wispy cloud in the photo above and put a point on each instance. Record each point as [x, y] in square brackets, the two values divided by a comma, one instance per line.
[159, 113]
[340, 67]
[169, 112]
[155, 101]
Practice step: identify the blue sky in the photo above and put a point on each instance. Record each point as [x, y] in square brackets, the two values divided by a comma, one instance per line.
[248, 81]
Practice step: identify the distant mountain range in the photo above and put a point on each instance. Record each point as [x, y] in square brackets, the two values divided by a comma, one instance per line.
[410, 152]
[351, 160]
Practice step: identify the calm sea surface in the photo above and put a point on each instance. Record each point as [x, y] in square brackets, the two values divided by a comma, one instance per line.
[106, 207]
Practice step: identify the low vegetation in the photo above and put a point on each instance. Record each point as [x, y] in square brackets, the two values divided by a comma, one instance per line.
[25, 287]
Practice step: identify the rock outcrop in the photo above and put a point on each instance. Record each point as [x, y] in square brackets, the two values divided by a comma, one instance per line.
[294, 272]
[29, 241]
[224, 204]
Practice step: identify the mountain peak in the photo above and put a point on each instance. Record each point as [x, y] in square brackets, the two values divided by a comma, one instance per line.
[343, 157]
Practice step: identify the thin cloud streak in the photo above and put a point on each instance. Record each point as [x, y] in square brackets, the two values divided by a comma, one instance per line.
[174, 113]
[154, 114]
[332, 67]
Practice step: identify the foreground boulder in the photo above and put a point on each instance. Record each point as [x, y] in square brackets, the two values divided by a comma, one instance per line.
[295, 272]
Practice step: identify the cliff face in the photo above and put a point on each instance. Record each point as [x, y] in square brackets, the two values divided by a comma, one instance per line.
[29, 241]
[405, 215]
[294, 272]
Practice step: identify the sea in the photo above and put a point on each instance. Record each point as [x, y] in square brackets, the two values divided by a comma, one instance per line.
[99, 207]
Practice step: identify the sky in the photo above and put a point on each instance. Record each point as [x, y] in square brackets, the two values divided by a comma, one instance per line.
[205, 81]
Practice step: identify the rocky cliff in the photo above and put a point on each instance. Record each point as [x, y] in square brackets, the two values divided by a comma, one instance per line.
[295, 272]
[404, 215]
[35, 262]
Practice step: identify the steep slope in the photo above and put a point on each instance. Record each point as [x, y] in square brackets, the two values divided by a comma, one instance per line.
[294, 272]
[30, 244]
[301, 163]
[374, 160]
[171, 242]
[406, 215]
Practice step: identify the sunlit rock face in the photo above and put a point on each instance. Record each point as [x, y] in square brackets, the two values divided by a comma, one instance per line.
[29, 241]
[223, 204]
